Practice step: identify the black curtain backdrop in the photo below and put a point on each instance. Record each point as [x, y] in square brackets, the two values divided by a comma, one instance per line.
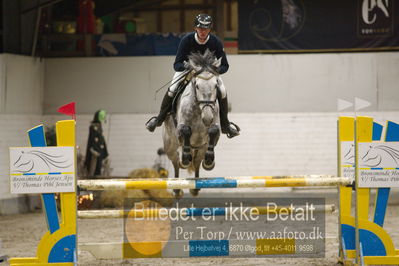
[317, 25]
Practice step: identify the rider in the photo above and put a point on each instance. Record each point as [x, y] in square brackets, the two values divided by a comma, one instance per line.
[198, 41]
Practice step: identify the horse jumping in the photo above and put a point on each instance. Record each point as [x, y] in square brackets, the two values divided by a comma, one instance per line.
[195, 126]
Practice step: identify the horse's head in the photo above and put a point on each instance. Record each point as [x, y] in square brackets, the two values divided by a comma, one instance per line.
[380, 155]
[371, 157]
[24, 163]
[36, 159]
[204, 82]
[349, 154]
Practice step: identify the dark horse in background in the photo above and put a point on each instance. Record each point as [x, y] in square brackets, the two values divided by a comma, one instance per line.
[194, 129]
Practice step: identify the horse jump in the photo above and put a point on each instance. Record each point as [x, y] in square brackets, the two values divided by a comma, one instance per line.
[56, 247]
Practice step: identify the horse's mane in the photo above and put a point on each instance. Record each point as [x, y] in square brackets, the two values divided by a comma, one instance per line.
[204, 61]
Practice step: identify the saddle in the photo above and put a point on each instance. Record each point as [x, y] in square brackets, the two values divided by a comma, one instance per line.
[179, 91]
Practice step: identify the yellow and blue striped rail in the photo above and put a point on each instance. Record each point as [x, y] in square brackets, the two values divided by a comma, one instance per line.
[107, 184]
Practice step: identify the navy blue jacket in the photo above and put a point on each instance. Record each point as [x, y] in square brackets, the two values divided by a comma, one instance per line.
[188, 45]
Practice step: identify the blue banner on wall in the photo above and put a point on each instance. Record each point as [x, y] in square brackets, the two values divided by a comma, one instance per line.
[137, 44]
[317, 26]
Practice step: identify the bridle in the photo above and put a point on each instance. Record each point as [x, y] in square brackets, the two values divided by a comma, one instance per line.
[205, 103]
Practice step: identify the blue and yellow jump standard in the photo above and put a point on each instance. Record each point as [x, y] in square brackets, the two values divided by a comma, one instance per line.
[361, 238]
[58, 245]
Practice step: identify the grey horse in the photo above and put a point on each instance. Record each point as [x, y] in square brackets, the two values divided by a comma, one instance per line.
[194, 129]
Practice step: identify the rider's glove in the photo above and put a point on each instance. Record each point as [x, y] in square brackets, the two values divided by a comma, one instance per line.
[186, 65]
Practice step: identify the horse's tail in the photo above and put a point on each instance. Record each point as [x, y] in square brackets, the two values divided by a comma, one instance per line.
[191, 168]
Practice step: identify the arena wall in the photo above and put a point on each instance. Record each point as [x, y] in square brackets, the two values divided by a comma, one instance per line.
[255, 83]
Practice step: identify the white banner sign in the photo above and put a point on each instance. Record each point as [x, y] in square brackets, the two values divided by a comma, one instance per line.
[378, 164]
[42, 170]
[348, 159]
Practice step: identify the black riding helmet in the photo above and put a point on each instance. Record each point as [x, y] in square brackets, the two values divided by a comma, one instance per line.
[203, 21]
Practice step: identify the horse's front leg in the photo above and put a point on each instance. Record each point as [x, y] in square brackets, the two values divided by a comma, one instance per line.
[184, 132]
[175, 162]
[209, 161]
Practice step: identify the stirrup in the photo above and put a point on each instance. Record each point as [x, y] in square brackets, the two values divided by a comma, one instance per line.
[233, 127]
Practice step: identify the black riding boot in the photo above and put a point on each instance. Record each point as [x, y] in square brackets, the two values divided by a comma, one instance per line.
[228, 128]
[157, 121]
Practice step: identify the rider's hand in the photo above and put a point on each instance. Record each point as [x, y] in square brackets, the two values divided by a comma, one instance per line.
[186, 65]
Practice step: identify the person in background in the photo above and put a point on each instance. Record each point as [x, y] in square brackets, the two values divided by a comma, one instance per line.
[198, 41]
[96, 152]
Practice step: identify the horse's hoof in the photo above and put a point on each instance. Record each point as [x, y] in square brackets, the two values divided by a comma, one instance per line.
[183, 165]
[208, 167]
[194, 192]
[187, 157]
[209, 161]
[186, 160]
[178, 193]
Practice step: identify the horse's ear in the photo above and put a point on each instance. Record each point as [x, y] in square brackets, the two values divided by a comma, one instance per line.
[217, 62]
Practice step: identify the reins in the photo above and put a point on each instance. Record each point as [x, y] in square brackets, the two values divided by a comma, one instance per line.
[169, 83]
